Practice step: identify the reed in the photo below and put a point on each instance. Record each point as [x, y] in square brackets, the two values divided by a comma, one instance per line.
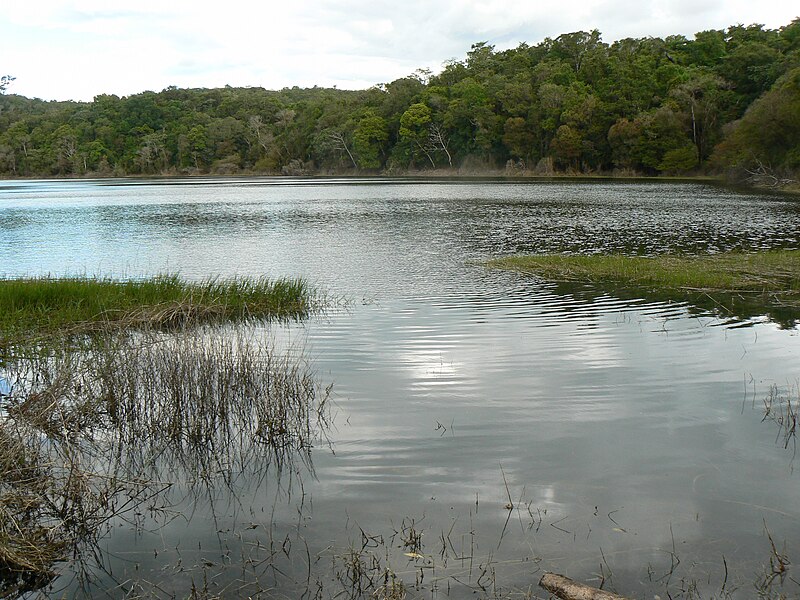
[782, 409]
[32, 308]
[88, 433]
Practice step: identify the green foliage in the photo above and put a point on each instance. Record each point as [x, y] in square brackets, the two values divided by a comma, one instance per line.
[566, 147]
[415, 131]
[5, 81]
[679, 160]
[643, 143]
[518, 137]
[369, 138]
[588, 106]
[768, 136]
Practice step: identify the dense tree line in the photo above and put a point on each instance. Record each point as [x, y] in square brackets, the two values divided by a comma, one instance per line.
[726, 99]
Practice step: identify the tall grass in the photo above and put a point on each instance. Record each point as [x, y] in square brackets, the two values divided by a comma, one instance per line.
[113, 391]
[35, 307]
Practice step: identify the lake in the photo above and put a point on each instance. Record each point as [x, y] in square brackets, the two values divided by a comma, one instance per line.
[486, 427]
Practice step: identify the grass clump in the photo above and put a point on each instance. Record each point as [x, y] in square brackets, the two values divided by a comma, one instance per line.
[31, 308]
[734, 282]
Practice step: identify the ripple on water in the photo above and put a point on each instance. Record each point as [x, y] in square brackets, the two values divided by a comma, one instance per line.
[595, 403]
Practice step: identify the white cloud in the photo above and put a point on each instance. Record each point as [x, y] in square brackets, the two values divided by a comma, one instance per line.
[78, 48]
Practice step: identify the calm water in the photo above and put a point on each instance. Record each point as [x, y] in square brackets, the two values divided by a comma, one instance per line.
[628, 433]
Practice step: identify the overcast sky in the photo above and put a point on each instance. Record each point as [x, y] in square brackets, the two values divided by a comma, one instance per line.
[76, 49]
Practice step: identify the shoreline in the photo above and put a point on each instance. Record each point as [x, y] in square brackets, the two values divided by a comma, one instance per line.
[792, 190]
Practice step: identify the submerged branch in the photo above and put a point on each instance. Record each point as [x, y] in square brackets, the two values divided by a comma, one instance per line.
[567, 589]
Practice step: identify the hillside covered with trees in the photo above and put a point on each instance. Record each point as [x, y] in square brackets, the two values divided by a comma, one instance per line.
[724, 101]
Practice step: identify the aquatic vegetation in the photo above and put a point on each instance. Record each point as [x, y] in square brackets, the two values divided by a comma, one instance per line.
[32, 308]
[90, 434]
[115, 391]
[731, 283]
[776, 271]
[782, 409]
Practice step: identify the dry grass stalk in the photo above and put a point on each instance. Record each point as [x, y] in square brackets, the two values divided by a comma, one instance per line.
[89, 432]
[782, 410]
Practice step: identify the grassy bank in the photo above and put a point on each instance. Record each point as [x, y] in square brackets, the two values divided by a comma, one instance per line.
[776, 271]
[35, 307]
[738, 283]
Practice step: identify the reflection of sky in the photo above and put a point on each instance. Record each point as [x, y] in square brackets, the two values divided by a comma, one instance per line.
[449, 376]
[641, 413]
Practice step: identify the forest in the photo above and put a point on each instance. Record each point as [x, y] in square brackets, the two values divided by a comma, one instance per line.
[725, 102]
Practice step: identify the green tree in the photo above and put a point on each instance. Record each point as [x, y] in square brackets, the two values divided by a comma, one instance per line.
[64, 143]
[700, 98]
[679, 160]
[415, 131]
[518, 138]
[5, 81]
[196, 146]
[573, 48]
[768, 136]
[624, 137]
[566, 147]
[369, 138]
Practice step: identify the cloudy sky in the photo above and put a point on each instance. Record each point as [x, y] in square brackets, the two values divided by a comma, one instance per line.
[75, 49]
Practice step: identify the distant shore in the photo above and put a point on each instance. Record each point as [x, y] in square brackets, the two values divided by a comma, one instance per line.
[443, 174]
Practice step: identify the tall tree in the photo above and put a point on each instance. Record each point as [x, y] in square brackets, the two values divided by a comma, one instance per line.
[5, 81]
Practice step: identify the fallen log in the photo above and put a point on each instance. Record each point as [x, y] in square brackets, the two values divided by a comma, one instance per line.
[567, 589]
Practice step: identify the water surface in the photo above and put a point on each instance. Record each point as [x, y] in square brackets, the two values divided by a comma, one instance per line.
[628, 433]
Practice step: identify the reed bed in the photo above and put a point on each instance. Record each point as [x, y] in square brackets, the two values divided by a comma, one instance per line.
[112, 391]
[33, 308]
[90, 432]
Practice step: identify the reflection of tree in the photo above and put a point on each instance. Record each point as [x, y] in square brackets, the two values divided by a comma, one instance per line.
[96, 434]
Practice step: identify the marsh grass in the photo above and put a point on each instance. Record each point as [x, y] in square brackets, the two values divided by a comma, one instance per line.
[731, 283]
[113, 391]
[53, 499]
[88, 434]
[35, 308]
[782, 409]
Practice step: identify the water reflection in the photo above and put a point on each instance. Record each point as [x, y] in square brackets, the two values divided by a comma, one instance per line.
[737, 309]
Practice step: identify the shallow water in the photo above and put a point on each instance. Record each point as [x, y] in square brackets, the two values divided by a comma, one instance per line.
[627, 433]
